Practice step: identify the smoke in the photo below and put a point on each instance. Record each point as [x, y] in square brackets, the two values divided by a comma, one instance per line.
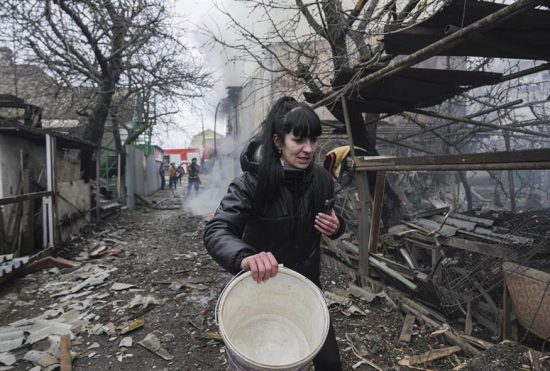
[215, 183]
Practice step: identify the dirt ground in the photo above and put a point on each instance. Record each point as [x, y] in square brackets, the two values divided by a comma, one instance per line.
[160, 253]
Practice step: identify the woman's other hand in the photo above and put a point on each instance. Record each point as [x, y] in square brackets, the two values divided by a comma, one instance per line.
[327, 224]
[262, 266]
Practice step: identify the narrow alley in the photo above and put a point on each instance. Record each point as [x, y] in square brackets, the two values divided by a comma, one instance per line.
[142, 293]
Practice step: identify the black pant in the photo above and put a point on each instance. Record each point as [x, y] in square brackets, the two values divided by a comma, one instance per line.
[193, 183]
[173, 182]
[162, 182]
[328, 358]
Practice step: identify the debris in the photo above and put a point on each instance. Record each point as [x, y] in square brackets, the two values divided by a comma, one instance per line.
[7, 359]
[144, 301]
[214, 336]
[361, 293]
[126, 342]
[93, 346]
[357, 345]
[40, 358]
[198, 322]
[131, 326]
[353, 310]
[48, 262]
[333, 299]
[98, 251]
[117, 286]
[108, 329]
[10, 338]
[429, 356]
[482, 344]
[440, 331]
[534, 359]
[406, 330]
[360, 350]
[41, 329]
[152, 343]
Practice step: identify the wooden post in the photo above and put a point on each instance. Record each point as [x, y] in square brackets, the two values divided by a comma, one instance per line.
[118, 177]
[364, 226]
[2, 234]
[65, 353]
[97, 182]
[506, 313]
[376, 211]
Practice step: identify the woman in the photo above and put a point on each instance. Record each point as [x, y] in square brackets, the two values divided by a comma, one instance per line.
[276, 211]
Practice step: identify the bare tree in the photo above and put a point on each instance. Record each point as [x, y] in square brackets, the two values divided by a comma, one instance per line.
[119, 49]
[316, 43]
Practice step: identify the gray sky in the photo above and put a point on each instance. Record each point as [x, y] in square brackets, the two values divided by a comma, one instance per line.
[197, 13]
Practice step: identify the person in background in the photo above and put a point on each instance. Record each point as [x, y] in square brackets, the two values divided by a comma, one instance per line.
[162, 175]
[173, 174]
[181, 172]
[276, 211]
[193, 178]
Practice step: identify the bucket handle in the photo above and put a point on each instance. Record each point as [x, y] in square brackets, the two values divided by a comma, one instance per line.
[223, 291]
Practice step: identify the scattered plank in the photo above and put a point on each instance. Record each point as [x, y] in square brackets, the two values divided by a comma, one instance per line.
[406, 330]
[65, 353]
[468, 327]
[452, 337]
[144, 200]
[429, 356]
[482, 344]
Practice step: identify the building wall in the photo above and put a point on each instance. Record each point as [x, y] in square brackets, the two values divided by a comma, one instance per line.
[146, 179]
[11, 150]
[72, 204]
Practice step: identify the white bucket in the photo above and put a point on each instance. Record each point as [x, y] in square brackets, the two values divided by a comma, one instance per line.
[280, 324]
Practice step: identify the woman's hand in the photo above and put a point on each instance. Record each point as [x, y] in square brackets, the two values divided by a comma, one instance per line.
[262, 266]
[327, 224]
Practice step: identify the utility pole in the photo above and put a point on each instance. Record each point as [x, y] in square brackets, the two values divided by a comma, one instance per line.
[203, 139]
[215, 134]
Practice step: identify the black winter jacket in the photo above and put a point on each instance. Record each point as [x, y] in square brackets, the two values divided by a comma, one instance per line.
[285, 227]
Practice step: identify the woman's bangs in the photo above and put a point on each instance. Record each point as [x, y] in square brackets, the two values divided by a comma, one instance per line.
[303, 123]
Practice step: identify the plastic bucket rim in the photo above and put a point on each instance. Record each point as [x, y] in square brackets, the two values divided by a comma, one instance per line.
[252, 363]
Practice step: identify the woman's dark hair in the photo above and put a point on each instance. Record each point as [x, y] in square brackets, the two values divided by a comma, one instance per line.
[286, 115]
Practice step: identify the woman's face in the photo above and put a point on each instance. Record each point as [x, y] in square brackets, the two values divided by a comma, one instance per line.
[297, 152]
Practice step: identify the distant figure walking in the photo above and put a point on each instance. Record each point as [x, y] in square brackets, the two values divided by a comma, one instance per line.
[194, 179]
[181, 172]
[173, 173]
[162, 175]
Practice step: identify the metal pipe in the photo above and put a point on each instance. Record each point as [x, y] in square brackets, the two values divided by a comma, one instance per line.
[50, 185]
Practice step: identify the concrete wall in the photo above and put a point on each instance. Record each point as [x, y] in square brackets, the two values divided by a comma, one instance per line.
[144, 172]
[74, 201]
[72, 207]
[152, 178]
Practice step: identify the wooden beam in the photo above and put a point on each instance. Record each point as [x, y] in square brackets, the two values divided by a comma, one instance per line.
[65, 353]
[526, 159]
[377, 204]
[24, 197]
[363, 229]
[406, 330]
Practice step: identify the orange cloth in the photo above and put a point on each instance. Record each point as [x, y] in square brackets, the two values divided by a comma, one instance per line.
[173, 171]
